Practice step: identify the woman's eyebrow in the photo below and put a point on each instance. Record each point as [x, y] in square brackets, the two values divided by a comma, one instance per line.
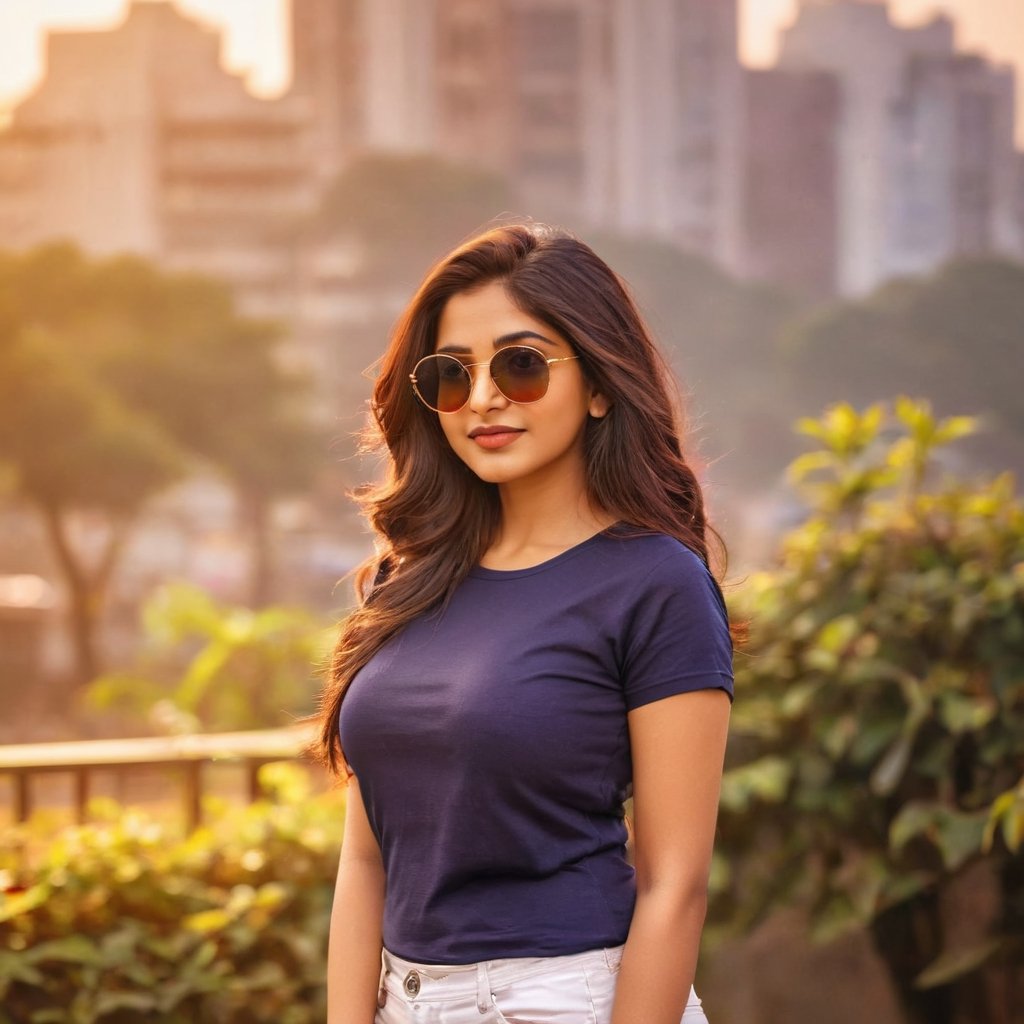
[511, 339]
[500, 342]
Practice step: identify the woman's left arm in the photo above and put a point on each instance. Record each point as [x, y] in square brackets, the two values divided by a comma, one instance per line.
[678, 746]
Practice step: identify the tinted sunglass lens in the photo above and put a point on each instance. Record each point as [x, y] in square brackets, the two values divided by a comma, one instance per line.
[520, 373]
[443, 383]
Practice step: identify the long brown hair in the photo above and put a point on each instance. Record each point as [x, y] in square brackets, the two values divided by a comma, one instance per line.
[433, 516]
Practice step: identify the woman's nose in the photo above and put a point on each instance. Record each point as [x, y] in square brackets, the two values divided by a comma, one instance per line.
[483, 393]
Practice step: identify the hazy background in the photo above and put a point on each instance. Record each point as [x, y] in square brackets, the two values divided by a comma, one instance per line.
[813, 202]
[255, 34]
[211, 213]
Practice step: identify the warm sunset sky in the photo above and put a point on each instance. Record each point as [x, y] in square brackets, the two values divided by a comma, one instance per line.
[255, 39]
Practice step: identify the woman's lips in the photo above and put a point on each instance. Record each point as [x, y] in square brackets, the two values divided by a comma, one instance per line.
[494, 437]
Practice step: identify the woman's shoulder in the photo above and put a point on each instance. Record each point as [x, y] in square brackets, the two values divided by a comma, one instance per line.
[646, 550]
[658, 567]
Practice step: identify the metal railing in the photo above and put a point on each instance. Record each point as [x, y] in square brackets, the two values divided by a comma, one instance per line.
[24, 761]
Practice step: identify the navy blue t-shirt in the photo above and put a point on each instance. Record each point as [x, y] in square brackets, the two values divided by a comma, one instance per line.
[490, 742]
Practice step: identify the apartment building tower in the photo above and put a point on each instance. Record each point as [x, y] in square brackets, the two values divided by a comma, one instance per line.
[790, 203]
[926, 156]
[624, 114]
[327, 60]
[676, 119]
[138, 141]
[953, 184]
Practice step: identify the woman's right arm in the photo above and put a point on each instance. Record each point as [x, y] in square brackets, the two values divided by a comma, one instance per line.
[354, 946]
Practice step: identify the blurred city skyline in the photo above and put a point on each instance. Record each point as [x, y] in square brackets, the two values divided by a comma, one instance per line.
[256, 40]
[846, 224]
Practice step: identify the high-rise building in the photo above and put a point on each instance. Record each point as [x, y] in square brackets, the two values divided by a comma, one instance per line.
[139, 141]
[474, 105]
[857, 42]
[618, 113]
[926, 152]
[953, 188]
[708, 157]
[327, 73]
[400, 59]
[673, 107]
[790, 208]
[1018, 191]
[512, 81]
[367, 69]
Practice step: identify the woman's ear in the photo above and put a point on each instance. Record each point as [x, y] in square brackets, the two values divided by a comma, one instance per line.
[599, 405]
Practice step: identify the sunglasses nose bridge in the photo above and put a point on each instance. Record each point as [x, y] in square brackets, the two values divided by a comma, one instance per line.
[483, 391]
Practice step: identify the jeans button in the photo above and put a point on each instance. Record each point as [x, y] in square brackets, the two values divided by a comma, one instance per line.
[412, 984]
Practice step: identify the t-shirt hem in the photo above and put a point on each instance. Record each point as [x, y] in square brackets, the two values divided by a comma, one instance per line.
[494, 951]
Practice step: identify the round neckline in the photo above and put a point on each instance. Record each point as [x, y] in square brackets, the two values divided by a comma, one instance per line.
[482, 572]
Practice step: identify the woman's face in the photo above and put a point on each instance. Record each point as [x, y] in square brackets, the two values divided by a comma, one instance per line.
[500, 441]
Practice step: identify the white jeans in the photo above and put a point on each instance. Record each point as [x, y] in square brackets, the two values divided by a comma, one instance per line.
[576, 989]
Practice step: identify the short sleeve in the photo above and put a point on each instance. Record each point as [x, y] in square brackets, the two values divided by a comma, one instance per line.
[677, 637]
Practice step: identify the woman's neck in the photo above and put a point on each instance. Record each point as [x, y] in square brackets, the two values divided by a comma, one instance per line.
[540, 520]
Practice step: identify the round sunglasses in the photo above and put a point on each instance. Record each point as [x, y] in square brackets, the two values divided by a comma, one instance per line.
[520, 372]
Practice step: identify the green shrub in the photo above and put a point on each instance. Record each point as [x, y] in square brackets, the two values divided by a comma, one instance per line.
[124, 922]
[208, 666]
[877, 749]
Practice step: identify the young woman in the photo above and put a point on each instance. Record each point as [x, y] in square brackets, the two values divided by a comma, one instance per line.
[539, 637]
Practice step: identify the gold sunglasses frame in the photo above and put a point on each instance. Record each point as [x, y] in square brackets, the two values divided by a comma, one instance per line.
[487, 362]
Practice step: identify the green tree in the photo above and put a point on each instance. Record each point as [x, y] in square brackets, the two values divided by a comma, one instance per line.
[954, 336]
[721, 337]
[878, 746]
[216, 668]
[401, 213]
[73, 446]
[115, 380]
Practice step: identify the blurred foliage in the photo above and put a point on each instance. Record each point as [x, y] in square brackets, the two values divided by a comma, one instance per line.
[720, 335]
[403, 213]
[167, 352]
[115, 380]
[68, 441]
[953, 335]
[122, 921]
[212, 668]
[877, 750]
[751, 357]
